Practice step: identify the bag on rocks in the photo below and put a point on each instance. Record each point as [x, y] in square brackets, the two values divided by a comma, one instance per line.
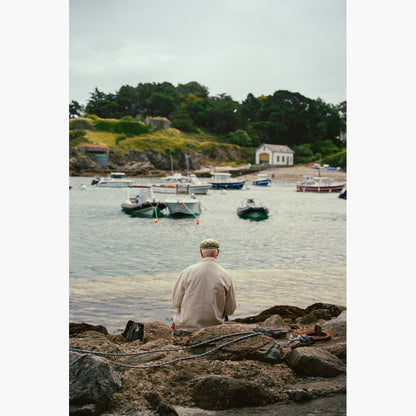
[133, 331]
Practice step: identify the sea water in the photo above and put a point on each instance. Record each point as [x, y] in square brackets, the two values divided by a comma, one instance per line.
[124, 267]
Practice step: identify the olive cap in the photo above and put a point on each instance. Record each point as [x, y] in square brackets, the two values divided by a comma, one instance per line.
[209, 243]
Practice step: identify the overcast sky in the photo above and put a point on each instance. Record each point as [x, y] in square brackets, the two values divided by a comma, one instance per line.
[234, 47]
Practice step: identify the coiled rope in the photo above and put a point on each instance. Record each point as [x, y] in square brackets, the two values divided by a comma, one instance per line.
[245, 335]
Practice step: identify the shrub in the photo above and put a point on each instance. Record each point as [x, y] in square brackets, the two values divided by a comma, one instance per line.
[336, 159]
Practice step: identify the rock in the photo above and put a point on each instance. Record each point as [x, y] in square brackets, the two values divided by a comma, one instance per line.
[274, 320]
[133, 331]
[337, 326]
[159, 404]
[257, 348]
[315, 316]
[75, 328]
[300, 395]
[157, 330]
[276, 333]
[285, 312]
[92, 382]
[219, 393]
[315, 362]
[339, 349]
[335, 310]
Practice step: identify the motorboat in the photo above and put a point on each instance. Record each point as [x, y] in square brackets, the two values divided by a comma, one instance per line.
[318, 184]
[262, 179]
[224, 181]
[183, 206]
[250, 210]
[110, 182]
[143, 204]
[186, 185]
[117, 175]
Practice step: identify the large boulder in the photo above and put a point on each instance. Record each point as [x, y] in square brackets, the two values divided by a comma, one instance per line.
[219, 393]
[335, 310]
[92, 382]
[337, 327]
[284, 311]
[315, 316]
[315, 362]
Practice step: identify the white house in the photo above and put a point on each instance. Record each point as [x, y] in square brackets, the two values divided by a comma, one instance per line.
[274, 154]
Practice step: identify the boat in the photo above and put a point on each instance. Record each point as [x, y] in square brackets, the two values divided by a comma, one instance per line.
[110, 182]
[183, 206]
[117, 175]
[186, 185]
[318, 184]
[262, 179]
[224, 181]
[143, 204]
[250, 210]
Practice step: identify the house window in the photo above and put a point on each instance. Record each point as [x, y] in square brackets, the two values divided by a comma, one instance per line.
[277, 158]
[283, 159]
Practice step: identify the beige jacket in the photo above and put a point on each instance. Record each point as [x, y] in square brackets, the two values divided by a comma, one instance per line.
[203, 295]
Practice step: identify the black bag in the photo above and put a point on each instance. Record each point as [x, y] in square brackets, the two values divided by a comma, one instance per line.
[133, 331]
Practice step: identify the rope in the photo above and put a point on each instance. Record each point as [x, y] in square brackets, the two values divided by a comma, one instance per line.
[301, 338]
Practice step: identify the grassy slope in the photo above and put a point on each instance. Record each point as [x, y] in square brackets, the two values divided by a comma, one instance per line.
[164, 140]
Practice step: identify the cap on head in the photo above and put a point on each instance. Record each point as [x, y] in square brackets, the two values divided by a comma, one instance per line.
[209, 243]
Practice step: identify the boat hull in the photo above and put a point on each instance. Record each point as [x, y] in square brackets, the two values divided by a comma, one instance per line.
[253, 213]
[148, 209]
[264, 182]
[315, 188]
[115, 184]
[183, 208]
[227, 185]
[181, 189]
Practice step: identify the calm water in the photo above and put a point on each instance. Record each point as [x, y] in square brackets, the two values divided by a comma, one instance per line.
[124, 268]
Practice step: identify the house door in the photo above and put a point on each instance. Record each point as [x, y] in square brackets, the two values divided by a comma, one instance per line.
[264, 158]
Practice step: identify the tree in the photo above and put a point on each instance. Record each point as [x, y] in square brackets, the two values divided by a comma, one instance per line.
[159, 104]
[75, 109]
[241, 138]
[101, 104]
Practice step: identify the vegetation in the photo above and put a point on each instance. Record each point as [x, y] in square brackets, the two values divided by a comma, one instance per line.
[312, 128]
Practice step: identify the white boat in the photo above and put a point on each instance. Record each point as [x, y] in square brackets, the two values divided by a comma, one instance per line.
[143, 204]
[109, 182]
[318, 184]
[262, 179]
[224, 181]
[183, 206]
[117, 175]
[186, 184]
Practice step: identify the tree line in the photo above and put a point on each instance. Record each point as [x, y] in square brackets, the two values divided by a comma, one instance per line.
[312, 128]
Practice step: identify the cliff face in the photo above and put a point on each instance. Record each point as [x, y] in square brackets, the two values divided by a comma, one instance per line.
[139, 163]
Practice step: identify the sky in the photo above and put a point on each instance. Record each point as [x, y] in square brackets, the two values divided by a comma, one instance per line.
[232, 47]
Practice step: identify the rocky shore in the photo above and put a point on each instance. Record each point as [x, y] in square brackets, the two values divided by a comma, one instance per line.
[285, 360]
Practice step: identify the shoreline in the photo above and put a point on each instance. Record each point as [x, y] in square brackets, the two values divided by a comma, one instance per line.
[276, 173]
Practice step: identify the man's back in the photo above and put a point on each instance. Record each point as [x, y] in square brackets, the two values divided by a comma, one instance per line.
[203, 294]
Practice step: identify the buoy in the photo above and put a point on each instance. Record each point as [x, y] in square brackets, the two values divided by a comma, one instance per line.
[155, 221]
[197, 223]
[292, 226]
[181, 206]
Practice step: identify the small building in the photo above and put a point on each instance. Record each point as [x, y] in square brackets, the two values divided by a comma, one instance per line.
[98, 151]
[157, 122]
[274, 155]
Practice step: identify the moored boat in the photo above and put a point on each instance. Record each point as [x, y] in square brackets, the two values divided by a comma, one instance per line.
[110, 182]
[186, 184]
[262, 179]
[250, 210]
[318, 184]
[224, 181]
[183, 206]
[143, 204]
